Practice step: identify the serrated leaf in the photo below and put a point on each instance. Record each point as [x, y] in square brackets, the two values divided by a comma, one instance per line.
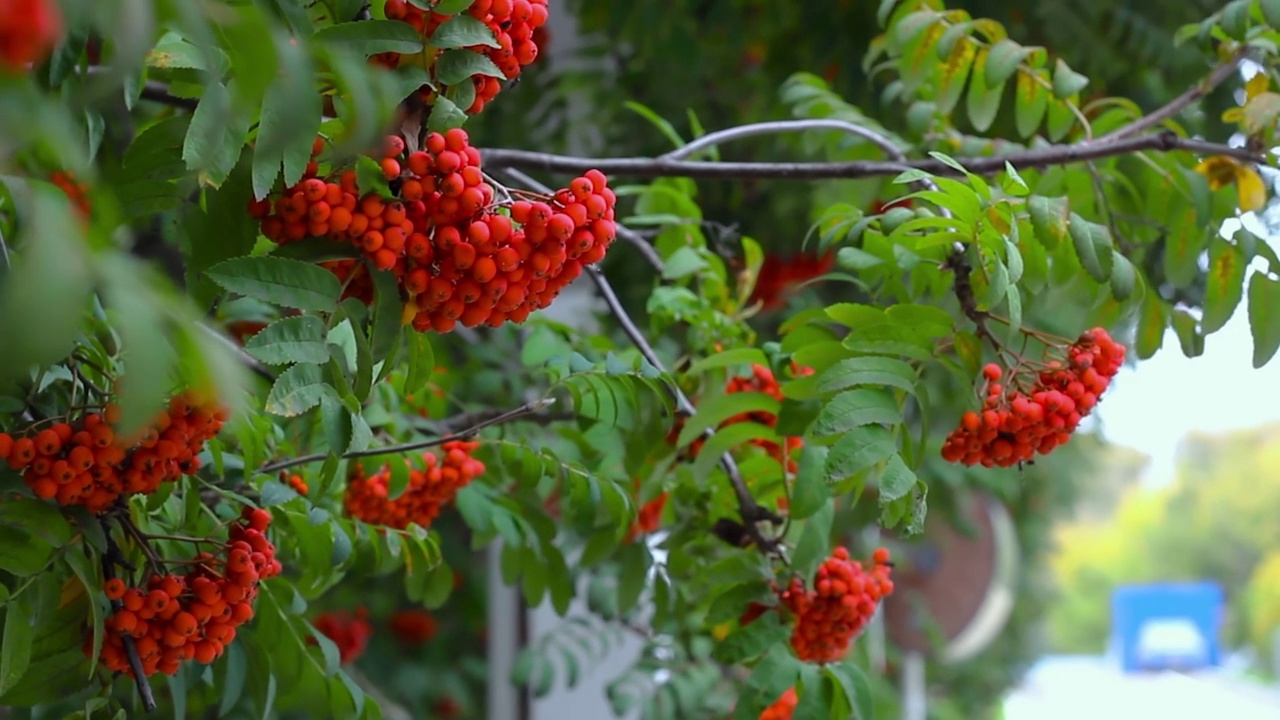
[857, 451]
[1093, 247]
[729, 358]
[854, 408]
[463, 31]
[455, 66]
[297, 390]
[1049, 219]
[215, 137]
[1264, 317]
[297, 339]
[445, 115]
[896, 480]
[280, 281]
[1224, 284]
[869, 370]
[371, 37]
[715, 410]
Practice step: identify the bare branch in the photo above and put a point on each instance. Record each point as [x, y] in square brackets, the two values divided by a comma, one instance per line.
[1176, 105]
[1039, 157]
[785, 126]
[528, 408]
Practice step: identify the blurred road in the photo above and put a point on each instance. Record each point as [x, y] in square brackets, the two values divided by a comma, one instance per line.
[1072, 688]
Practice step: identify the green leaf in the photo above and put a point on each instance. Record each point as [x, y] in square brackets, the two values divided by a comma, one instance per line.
[1031, 99]
[297, 390]
[455, 66]
[736, 357]
[855, 408]
[1224, 284]
[15, 649]
[857, 451]
[683, 263]
[451, 7]
[1182, 249]
[289, 120]
[296, 339]
[1093, 247]
[715, 410]
[370, 37]
[1049, 218]
[1264, 317]
[230, 673]
[1124, 277]
[809, 493]
[463, 31]
[280, 281]
[982, 101]
[1189, 335]
[869, 370]
[751, 640]
[384, 332]
[1006, 55]
[1067, 82]
[815, 540]
[1152, 323]
[422, 362]
[896, 480]
[1271, 13]
[857, 690]
[38, 518]
[215, 137]
[445, 114]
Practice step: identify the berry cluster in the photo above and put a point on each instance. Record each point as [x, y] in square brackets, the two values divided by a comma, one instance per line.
[1016, 421]
[87, 464]
[784, 708]
[648, 519]
[414, 626]
[429, 489]
[512, 23]
[843, 600]
[761, 380]
[76, 191]
[350, 632]
[780, 276]
[191, 616]
[296, 482]
[458, 256]
[29, 31]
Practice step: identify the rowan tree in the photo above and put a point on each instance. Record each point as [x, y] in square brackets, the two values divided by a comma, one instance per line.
[276, 363]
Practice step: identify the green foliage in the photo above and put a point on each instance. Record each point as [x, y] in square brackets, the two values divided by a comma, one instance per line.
[623, 464]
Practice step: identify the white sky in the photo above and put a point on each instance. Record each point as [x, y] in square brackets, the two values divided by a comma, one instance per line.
[1153, 406]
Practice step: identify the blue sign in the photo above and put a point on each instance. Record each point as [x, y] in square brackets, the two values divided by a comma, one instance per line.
[1167, 626]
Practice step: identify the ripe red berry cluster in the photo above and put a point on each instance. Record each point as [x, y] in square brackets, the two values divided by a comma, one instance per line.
[76, 191]
[413, 626]
[350, 632]
[842, 601]
[194, 615]
[429, 490]
[761, 380]
[296, 482]
[87, 464]
[512, 22]
[648, 519]
[1016, 422]
[458, 256]
[784, 708]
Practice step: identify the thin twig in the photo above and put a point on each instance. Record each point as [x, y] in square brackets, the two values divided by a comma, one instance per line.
[110, 559]
[1176, 105]
[528, 408]
[783, 126]
[248, 360]
[504, 158]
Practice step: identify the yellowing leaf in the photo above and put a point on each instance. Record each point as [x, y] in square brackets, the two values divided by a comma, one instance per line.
[1252, 190]
[72, 590]
[1257, 85]
[721, 631]
[1233, 115]
[1260, 113]
[1219, 170]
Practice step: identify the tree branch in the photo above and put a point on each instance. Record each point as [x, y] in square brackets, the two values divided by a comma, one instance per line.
[784, 126]
[1175, 106]
[528, 408]
[110, 559]
[1167, 141]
